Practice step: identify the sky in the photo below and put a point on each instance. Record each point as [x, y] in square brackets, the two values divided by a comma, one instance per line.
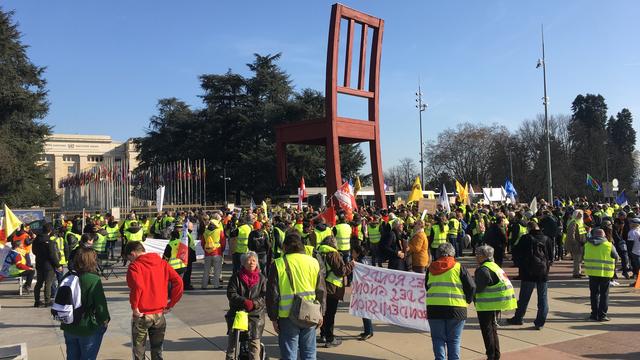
[108, 62]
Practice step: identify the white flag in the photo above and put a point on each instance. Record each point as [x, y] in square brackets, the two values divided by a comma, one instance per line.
[443, 199]
[534, 205]
[160, 198]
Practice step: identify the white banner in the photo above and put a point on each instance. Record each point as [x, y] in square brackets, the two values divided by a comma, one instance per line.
[158, 245]
[160, 198]
[392, 296]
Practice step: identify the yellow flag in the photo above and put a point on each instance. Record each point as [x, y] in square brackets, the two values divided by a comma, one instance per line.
[11, 221]
[416, 191]
[264, 208]
[357, 186]
[462, 192]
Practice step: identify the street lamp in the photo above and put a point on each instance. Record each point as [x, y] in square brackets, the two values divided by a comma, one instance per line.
[421, 107]
[225, 179]
[545, 101]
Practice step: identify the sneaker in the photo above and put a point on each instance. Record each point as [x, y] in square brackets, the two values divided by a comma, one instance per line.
[321, 340]
[513, 321]
[538, 327]
[37, 304]
[26, 290]
[614, 283]
[365, 336]
[47, 304]
[604, 318]
[333, 343]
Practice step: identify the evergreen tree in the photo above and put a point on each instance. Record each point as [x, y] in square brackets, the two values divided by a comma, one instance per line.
[621, 146]
[23, 102]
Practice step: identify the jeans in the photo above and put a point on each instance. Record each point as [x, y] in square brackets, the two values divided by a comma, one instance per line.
[446, 335]
[187, 273]
[46, 278]
[489, 329]
[155, 325]
[526, 289]
[111, 248]
[216, 263]
[292, 338]
[376, 256]
[368, 326]
[84, 347]
[54, 285]
[599, 294]
[635, 263]
[237, 263]
[329, 319]
[453, 240]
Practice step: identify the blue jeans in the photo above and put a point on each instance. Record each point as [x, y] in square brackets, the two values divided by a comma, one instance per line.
[54, 286]
[446, 334]
[526, 289]
[368, 326]
[84, 347]
[292, 337]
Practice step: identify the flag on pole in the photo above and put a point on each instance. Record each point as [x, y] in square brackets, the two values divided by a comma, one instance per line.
[264, 208]
[593, 183]
[160, 198]
[510, 191]
[183, 246]
[329, 215]
[10, 223]
[443, 199]
[303, 189]
[346, 200]
[252, 205]
[534, 205]
[461, 191]
[416, 191]
[357, 186]
[622, 199]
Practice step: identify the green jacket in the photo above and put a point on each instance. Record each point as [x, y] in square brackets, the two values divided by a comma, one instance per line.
[96, 312]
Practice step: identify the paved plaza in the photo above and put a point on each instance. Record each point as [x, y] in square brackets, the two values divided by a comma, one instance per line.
[196, 328]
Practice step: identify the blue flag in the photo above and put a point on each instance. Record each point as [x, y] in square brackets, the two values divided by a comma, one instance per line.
[510, 190]
[622, 199]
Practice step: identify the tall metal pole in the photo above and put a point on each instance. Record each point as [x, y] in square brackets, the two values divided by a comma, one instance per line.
[224, 174]
[511, 166]
[546, 121]
[606, 169]
[421, 107]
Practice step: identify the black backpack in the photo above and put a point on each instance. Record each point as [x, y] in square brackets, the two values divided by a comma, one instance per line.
[67, 306]
[538, 261]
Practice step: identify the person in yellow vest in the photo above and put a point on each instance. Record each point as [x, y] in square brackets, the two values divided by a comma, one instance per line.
[279, 230]
[494, 293]
[241, 234]
[336, 270]
[438, 235]
[576, 238]
[305, 280]
[170, 253]
[373, 236]
[454, 231]
[450, 289]
[113, 234]
[599, 263]
[145, 224]
[212, 244]
[342, 233]
[320, 231]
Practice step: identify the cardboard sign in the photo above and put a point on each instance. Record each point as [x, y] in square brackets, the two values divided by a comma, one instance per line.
[392, 296]
[428, 204]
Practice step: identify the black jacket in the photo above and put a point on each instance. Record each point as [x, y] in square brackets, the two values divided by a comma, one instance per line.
[46, 252]
[524, 252]
[237, 293]
[390, 244]
[495, 237]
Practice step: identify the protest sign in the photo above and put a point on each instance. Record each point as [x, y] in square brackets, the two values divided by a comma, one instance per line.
[396, 297]
[157, 246]
[428, 204]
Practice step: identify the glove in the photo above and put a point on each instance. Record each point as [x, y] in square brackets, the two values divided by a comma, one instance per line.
[248, 304]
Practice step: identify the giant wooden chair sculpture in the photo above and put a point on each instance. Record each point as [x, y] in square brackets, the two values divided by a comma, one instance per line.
[332, 130]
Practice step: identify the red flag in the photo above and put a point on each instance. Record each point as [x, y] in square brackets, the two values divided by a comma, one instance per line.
[329, 215]
[346, 200]
[303, 189]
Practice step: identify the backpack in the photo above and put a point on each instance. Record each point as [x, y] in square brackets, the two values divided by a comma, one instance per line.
[538, 264]
[67, 306]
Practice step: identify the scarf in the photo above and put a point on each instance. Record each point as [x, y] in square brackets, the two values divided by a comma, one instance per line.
[250, 278]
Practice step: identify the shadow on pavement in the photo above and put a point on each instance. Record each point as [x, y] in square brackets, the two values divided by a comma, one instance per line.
[627, 356]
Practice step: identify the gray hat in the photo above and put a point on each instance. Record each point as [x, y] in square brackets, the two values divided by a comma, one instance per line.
[634, 220]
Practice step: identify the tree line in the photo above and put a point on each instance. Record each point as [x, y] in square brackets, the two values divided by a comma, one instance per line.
[588, 141]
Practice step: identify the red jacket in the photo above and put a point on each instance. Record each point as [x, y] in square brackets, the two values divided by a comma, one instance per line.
[217, 252]
[148, 278]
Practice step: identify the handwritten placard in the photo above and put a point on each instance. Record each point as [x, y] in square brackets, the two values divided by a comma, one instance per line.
[396, 297]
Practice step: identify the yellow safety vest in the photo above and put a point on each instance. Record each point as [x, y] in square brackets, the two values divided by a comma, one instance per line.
[374, 233]
[277, 246]
[321, 235]
[331, 276]
[498, 297]
[343, 237]
[598, 260]
[522, 230]
[112, 232]
[304, 275]
[60, 243]
[99, 245]
[299, 227]
[242, 241]
[174, 261]
[454, 226]
[439, 235]
[212, 239]
[77, 239]
[137, 236]
[446, 289]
